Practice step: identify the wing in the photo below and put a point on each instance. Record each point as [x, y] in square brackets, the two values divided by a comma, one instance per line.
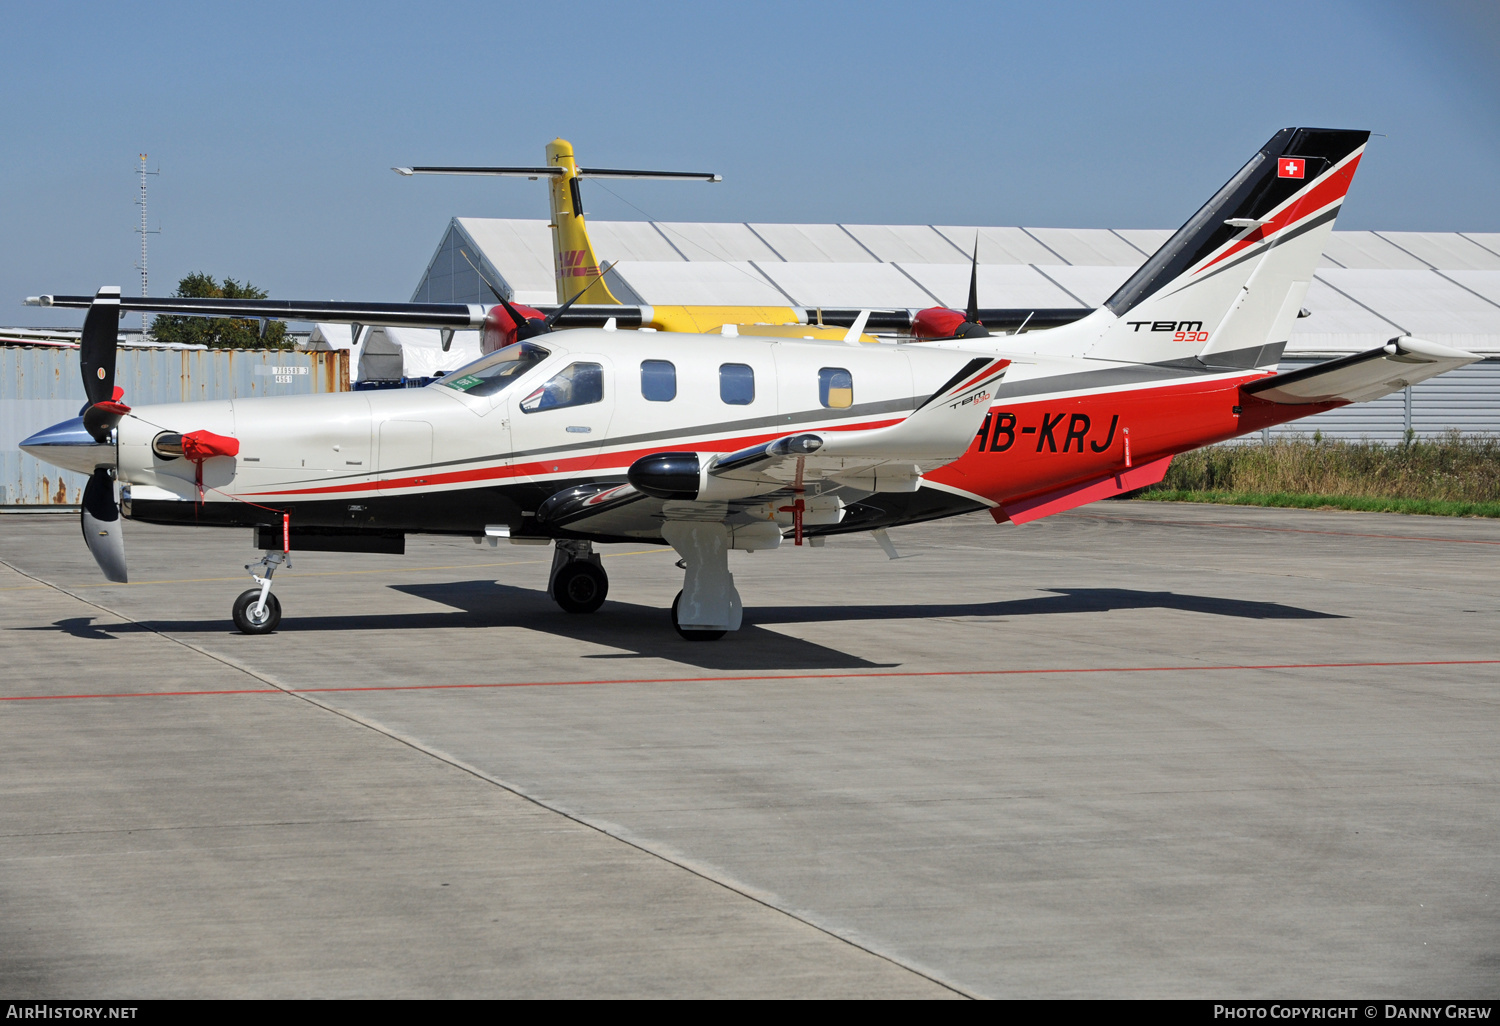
[1400, 362]
[456, 316]
[461, 316]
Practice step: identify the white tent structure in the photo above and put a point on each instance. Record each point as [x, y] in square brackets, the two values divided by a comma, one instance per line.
[1439, 285]
[388, 354]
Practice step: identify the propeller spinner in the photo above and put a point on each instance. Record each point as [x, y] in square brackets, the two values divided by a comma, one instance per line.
[524, 322]
[939, 322]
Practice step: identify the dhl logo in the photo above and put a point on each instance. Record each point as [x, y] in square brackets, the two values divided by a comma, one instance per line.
[571, 264]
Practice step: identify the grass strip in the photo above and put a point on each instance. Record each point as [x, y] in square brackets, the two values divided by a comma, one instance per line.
[1292, 500]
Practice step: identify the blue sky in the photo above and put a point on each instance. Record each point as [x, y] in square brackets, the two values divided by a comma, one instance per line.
[275, 124]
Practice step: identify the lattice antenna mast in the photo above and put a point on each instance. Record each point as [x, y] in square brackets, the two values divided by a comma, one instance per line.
[144, 231]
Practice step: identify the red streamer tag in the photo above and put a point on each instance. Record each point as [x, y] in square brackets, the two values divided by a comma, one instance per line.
[286, 532]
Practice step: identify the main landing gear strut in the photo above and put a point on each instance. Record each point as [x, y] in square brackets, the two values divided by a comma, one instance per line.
[257, 611]
[578, 583]
[708, 605]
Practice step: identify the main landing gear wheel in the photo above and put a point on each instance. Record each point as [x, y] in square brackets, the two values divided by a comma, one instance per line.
[580, 586]
[246, 619]
[692, 635]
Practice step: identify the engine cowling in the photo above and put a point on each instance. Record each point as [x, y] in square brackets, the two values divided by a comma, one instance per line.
[667, 475]
[936, 322]
[500, 328]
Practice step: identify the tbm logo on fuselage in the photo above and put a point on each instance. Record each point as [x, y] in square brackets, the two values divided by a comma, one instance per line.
[1182, 331]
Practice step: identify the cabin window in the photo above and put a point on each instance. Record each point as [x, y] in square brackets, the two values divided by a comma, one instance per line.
[835, 388]
[736, 384]
[658, 381]
[578, 384]
[491, 374]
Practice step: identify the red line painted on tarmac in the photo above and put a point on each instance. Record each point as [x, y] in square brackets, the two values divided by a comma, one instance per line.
[1282, 530]
[757, 677]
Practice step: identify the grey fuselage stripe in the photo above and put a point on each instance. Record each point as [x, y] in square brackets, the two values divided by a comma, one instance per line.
[1260, 251]
[1106, 377]
[750, 424]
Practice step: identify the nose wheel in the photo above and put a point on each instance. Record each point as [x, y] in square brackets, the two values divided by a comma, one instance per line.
[257, 611]
[252, 616]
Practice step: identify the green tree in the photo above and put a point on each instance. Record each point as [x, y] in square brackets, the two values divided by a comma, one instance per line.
[218, 332]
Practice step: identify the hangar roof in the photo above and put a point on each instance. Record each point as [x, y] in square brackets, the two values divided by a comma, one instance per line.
[1370, 285]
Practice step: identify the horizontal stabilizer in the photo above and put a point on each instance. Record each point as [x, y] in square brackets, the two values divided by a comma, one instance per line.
[557, 171]
[1400, 362]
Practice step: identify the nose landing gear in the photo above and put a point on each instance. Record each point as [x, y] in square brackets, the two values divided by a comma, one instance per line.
[257, 611]
[578, 583]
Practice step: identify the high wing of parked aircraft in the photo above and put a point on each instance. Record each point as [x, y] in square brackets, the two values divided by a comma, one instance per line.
[714, 442]
[584, 298]
[574, 263]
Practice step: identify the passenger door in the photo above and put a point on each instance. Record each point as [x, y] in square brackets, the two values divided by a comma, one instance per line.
[559, 420]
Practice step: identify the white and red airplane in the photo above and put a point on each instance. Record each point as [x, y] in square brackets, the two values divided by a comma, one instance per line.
[710, 443]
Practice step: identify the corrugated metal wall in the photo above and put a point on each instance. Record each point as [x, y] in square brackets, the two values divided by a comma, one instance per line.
[1467, 399]
[42, 386]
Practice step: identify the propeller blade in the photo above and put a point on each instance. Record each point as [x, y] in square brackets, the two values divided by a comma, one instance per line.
[971, 314]
[555, 314]
[101, 526]
[96, 353]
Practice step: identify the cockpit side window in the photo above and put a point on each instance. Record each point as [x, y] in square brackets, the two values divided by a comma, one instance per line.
[578, 384]
[491, 374]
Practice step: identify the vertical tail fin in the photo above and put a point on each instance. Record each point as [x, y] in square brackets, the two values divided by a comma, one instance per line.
[574, 262]
[1224, 290]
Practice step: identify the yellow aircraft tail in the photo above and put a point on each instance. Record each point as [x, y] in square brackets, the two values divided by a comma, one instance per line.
[573, 259]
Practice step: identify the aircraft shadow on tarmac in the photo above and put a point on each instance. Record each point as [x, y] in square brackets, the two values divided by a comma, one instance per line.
[644, 632]
[1063, 600]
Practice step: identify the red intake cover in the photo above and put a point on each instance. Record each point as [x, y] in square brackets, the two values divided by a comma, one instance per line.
[936, 322]
[201, 445]
[499, 330]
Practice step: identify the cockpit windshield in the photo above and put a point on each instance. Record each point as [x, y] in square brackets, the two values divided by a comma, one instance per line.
[491, 374]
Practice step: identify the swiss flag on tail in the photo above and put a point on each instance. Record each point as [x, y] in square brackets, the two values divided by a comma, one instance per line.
[1291, 167]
